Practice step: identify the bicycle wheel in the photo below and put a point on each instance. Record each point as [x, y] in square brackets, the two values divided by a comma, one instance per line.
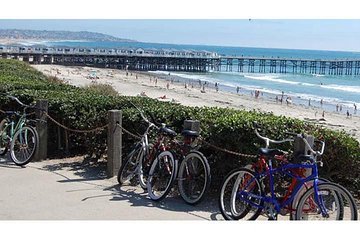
[144, 167]
[304, 187]
[161, 176]
[194, 177]
[24, 145]
[4, 137]
[233, 203]
[129, 168]
[334, 202]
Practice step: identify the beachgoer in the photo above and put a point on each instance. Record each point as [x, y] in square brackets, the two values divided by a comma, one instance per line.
[276, 99]
[237, 89]
[136, 76]
[337, 107]
[288, 100]
[163, 97]
[167, 85]
[347, 114]
[355, 108]
[143, 94]
[309, 102]
[321, 102]
[340, 107]
[323, 114]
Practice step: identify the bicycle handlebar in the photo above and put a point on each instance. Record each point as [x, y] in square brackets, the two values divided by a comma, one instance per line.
[268, 140]
[302, 136]
[18, 101]
[144, 118]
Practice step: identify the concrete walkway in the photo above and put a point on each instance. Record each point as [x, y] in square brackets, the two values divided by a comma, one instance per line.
[76, 189]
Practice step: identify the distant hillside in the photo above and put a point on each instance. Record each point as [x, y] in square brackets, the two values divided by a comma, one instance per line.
[58, 35]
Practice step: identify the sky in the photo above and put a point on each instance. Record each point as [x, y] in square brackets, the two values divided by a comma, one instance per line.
[293, 34]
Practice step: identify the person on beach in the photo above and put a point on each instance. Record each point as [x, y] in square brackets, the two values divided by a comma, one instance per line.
[155, 81]
[355, 108]
[217, 87]
[309, 102]
[323, 114]
[237, 89]
[321, 102]
[347, 114]
[337, 107]
[340, 107]
[167, 85]
[288, 100]
[276, 99]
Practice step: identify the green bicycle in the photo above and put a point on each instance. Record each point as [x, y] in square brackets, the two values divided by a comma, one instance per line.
[17, 136]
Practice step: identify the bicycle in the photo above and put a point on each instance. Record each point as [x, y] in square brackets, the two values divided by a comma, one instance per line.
[253, 190]
[193, 175]
[143, 153]
[17, 136]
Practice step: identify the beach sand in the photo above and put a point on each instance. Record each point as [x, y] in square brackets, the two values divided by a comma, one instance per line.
[135, 83]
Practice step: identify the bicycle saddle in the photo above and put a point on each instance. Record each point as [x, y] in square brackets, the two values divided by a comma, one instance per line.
[270, 152]
[168, 131]
[189, 133]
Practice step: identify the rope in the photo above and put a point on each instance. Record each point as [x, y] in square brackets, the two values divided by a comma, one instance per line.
[228, 151]
[128, 132]
[98, 129]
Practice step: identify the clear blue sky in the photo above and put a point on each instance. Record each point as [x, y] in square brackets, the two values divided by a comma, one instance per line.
[297, 34]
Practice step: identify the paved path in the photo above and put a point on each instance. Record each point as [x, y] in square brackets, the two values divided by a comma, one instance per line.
[72, 189]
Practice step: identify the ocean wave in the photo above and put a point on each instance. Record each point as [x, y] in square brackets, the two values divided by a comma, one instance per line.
[345, 88]
[189, 76]
[271, 79]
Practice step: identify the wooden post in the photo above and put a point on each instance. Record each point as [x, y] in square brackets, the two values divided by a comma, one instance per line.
[41, 128]
[114, 143]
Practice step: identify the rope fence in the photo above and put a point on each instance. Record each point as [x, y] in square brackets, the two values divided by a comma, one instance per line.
[228, 151]
[98, 129]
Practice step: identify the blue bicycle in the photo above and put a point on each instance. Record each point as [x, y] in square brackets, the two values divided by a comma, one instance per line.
[248, 192]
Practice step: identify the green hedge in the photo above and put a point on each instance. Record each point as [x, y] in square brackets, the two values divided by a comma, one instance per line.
[226, 128]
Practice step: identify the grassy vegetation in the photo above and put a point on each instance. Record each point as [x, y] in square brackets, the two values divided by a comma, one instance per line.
[86, 108]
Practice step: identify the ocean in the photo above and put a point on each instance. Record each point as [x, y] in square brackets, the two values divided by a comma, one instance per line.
[331, 90]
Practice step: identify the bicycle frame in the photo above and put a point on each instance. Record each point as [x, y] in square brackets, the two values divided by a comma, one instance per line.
[284, 169]
[14, 128]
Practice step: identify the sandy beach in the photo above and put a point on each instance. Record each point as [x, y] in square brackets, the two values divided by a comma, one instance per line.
[167, 88]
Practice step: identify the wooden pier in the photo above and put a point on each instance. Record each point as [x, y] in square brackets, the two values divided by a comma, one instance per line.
[178, 60]
[288, 65]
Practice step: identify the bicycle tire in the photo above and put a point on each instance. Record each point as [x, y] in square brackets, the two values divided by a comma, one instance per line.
[4, 142]
[161, 176]
[142, 172]
[307, 185]
[333, 194]
[194, 169]
[130, 166]
[227, 197]
[23, 141]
